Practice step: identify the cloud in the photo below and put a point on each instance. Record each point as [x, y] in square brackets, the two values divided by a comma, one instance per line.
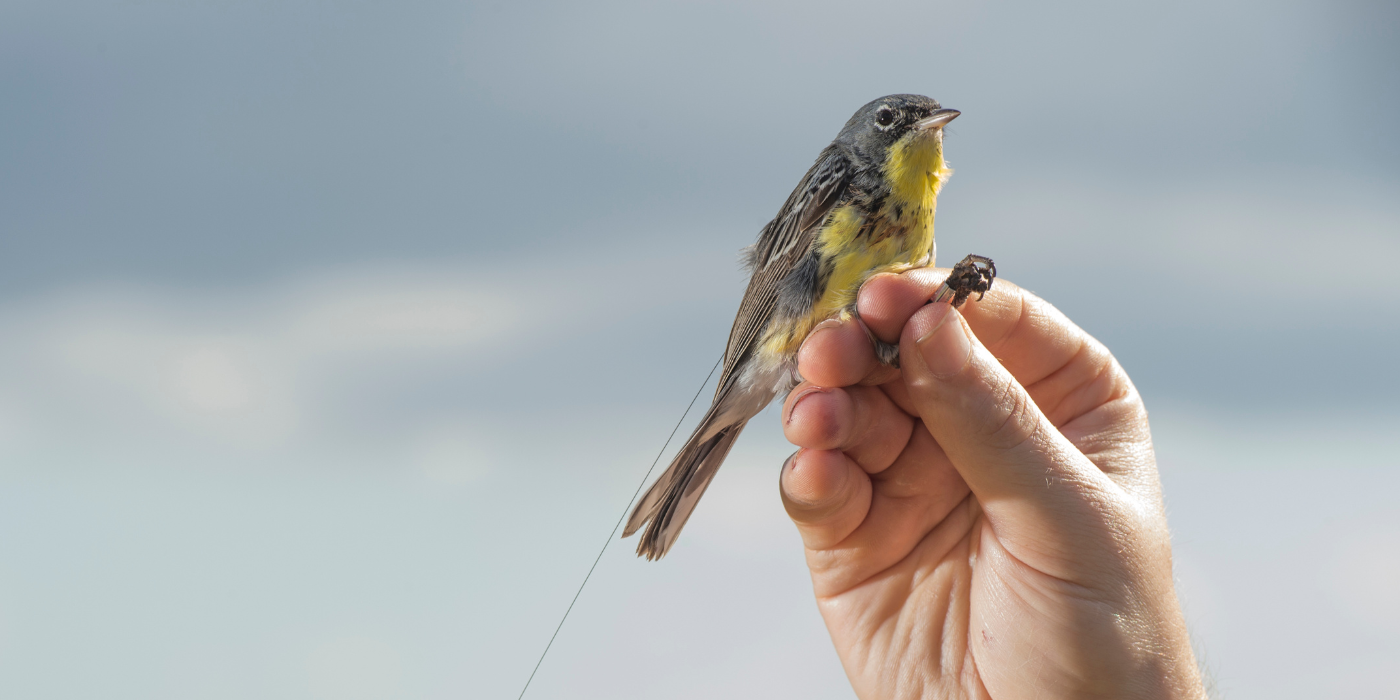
[290, 371]
[250, 367]
[1198, 252]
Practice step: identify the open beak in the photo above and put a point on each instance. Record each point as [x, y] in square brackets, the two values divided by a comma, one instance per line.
[937, 119]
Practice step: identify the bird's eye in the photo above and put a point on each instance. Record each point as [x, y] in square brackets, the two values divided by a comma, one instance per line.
[884, 117]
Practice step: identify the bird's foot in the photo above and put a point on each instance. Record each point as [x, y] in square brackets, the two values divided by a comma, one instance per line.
[973, 274]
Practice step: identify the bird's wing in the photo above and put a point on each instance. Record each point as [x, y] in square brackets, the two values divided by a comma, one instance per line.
[782, 244]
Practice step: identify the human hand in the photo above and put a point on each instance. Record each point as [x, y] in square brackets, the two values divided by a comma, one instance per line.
[986, 521]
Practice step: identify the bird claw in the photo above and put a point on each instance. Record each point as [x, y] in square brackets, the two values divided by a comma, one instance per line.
[973, 273]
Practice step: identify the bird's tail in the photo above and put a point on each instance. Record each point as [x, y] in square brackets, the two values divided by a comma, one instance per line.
[669, 502]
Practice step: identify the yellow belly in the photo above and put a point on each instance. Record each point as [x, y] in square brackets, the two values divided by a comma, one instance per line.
[856, 244]
[855, 247]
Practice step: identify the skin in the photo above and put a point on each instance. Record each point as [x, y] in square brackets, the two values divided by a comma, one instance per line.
[987, 521]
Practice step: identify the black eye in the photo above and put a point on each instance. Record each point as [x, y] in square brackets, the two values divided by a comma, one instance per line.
[884, 117]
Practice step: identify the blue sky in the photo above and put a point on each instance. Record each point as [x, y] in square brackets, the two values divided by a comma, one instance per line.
[334, 337]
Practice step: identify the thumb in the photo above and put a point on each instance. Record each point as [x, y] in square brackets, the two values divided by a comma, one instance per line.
[1024, 472]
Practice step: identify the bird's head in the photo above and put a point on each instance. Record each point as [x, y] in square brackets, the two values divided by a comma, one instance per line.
[901, 135]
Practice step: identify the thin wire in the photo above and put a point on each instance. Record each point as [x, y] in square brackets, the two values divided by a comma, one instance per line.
[599, 558]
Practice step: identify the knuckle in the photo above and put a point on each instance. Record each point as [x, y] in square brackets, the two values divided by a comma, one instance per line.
[1016, 419]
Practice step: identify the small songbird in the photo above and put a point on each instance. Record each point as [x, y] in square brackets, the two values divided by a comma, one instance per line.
[865, 207]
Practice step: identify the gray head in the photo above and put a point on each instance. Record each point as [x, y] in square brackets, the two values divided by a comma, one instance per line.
[882, 123]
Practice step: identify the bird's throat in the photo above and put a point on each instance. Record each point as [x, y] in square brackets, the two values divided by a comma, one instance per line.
[915, 169]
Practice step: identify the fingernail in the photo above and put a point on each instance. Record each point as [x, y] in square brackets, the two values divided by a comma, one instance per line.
[783, 475]
[787, 463]
[871, 278]
[820, 327]
[946, 348]
[860, 293]
[800, 398]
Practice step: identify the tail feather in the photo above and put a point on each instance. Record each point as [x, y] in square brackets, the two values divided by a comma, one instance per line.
[669, 502]
[644, 509]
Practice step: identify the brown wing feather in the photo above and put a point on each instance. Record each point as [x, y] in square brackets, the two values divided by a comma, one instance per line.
[782, 244]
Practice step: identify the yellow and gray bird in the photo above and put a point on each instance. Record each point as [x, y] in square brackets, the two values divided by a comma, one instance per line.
[866, 206]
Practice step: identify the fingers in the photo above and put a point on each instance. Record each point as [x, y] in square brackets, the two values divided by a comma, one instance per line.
[887, 300]
[1026, 474]
[908, 500]
[826, 494]
[1066, 371]
[1021, 329]
[1070, 376]
[839, 353]
[855, 525]
[861, 421]
[980, 396]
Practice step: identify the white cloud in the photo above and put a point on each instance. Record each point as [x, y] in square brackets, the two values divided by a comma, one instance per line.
[181, 376]
[1269, 252]
[350, 314]
[213, 379]
[245, 368]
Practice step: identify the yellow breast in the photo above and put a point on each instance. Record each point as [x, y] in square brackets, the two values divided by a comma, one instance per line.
[855, 243]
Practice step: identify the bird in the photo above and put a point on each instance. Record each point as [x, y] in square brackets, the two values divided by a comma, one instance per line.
[866, 206]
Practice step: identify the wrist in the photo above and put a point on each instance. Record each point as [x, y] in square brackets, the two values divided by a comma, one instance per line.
[1168, 670]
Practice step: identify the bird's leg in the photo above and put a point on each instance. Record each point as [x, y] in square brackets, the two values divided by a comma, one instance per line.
[973, 274]
[886, 353]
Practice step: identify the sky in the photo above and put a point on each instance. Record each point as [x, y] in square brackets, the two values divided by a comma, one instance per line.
[334, 337]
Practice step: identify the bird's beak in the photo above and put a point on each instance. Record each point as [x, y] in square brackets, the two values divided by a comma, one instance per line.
[937, 119]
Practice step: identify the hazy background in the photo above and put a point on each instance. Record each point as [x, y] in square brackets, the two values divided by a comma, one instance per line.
[319, 324]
